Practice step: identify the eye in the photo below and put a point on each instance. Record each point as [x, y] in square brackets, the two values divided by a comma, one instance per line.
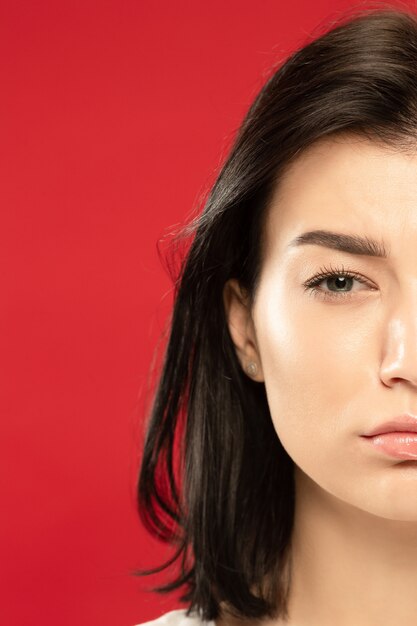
[338, 280]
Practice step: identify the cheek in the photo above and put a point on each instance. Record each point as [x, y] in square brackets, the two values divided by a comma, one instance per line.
[313, 359]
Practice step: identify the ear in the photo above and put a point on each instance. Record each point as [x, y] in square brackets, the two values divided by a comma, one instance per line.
[242, 329]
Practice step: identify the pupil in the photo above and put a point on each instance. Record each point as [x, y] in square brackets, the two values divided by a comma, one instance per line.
[341, 281]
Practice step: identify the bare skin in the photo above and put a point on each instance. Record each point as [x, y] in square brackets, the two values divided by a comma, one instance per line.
[335, 363]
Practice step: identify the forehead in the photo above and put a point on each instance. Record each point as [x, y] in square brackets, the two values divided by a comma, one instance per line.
[346, 184]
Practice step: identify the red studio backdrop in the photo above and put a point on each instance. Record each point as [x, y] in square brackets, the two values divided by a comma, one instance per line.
[114, 118]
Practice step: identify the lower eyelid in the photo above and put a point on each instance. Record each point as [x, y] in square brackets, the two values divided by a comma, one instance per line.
[332, 296]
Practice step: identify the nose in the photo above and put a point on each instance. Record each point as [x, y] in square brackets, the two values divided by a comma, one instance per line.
[399, 362]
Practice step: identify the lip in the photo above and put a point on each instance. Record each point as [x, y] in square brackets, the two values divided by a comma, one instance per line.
[405, 423]
[396, 438]
[400, 445]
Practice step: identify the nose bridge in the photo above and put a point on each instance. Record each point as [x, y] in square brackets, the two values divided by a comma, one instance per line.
[400, 354]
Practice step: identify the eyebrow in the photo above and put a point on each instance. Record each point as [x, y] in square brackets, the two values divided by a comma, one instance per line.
[353, 244]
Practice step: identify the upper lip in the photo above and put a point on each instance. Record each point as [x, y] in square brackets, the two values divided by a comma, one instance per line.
[402, 423]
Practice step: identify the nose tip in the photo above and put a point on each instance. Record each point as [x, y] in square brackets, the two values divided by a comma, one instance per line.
[399, 364]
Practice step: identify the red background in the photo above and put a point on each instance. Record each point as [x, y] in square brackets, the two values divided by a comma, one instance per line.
[114, 118]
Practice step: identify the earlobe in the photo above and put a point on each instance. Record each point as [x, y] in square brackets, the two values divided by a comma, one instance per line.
[242, 329]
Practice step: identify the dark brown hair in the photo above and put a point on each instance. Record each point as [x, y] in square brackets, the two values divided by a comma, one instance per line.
[226, 500]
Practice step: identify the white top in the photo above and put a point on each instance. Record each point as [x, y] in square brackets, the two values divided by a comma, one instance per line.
[178, 618]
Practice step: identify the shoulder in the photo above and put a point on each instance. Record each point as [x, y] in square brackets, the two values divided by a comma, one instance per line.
[177, 618]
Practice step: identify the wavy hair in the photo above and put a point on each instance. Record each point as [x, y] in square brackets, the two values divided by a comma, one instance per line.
[214, 480]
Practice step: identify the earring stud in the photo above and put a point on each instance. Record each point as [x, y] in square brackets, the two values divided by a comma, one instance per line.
[252, 368]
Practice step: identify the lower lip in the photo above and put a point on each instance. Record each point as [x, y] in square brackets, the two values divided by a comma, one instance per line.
[399, 445]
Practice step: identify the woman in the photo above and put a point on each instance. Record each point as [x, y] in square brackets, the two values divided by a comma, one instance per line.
[293, 343]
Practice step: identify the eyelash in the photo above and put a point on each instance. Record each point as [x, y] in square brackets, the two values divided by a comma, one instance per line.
[330, 272]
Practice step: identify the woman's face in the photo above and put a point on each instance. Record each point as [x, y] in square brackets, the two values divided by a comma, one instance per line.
[340, 358]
